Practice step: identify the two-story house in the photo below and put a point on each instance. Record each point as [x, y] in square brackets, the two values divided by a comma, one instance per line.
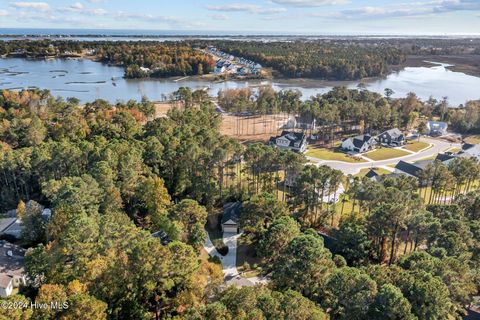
[392, 138]
[436, 128]
[359, 144]
[293, 141]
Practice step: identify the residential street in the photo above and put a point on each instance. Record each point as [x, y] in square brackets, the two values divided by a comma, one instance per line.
[354, 168]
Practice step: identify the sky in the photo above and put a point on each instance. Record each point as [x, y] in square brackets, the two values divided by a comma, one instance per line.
[406, 17]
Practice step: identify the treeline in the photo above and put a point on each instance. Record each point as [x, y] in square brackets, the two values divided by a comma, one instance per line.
[163, 59]
[349, 109]
[338, 112]
[318, 59]
[466, 119]
[40, 48]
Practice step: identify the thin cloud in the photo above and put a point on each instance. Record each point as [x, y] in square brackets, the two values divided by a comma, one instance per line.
[77, 5]
[173, 21]
[250, 8]
[413, 9]
[78, 8]
[219, 16]
[3, 13]
[42, 6]
[310, 3]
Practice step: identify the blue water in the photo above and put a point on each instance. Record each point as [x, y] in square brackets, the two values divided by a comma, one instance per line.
[88, 80]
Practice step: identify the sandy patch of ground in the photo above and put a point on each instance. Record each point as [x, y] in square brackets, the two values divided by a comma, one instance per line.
[252, 128]
[243, 128]
[161, 108]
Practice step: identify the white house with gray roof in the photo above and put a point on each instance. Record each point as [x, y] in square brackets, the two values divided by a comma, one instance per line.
[293, 141]
[231, 217]
[359, 144]
[436, 128]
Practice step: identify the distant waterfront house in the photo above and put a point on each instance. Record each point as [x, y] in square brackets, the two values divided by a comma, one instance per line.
[221, 66]
[293, 141]
[231, 217]
[392, 138]
[359, 144]
[436, 128]
[11, 268]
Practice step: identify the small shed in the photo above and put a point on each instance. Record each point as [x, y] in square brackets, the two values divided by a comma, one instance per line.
[231, 215]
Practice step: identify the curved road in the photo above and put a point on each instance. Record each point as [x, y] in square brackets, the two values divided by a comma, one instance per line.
[438, 146]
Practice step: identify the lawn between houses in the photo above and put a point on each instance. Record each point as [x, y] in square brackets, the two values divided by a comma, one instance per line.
[416, 146]
[331, 154]
[385, 154]
[379, 171]
[473, 139]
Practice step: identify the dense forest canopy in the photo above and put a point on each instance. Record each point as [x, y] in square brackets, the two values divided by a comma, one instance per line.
[113, 174]
[321, 60]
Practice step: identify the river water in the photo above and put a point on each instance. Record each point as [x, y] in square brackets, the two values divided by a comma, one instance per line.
[88, 80]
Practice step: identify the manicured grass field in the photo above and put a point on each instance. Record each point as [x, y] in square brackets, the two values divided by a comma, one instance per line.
[331, 154]
[416, 146]
[385, 154]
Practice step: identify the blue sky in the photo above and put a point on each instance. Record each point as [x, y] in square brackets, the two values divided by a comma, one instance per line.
[281, 16]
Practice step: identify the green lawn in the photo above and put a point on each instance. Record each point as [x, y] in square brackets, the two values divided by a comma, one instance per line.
[385, 154]
[332, 154]
[379, 171]
[453, 149]
[473, 139]
[432, 157]
[416, 146]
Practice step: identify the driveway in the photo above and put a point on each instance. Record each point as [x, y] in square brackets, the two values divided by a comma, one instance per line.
[438, 146]
[229, 262]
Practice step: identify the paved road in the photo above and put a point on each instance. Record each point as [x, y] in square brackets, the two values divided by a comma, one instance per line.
[438, 146]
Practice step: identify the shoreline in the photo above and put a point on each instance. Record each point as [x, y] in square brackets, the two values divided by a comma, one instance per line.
[467, 64]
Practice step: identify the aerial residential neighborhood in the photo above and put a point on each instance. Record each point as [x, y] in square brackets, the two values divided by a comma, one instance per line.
[228, 64]
[240, 160]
